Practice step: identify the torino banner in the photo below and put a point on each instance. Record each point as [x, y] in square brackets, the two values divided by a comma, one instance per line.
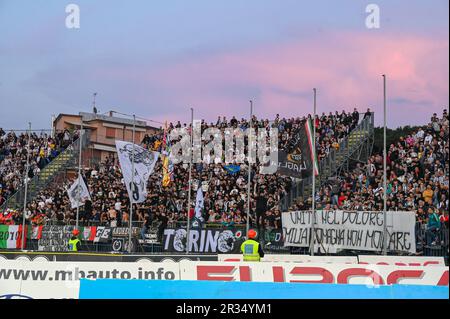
[203, 240]
[337, 230]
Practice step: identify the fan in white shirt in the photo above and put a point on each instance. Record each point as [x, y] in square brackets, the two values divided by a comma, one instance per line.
[428, 139]
[420, 134]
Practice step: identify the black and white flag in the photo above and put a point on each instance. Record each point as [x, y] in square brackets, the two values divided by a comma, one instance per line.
[83, 193]
[144, 163]
[199, 203]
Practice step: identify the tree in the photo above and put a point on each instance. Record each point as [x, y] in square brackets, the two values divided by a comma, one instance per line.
[392, 136]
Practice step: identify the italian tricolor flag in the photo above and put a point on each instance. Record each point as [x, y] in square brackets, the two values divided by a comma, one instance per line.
[35, 232]
[88, 233]
[11, 236]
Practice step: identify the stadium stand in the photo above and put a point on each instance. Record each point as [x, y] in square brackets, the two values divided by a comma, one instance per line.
[226, 194]
[417, 170]
[417, 180]
[13, 157]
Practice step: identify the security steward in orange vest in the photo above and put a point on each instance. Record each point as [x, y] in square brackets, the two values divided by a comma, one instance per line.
[74, 242]
[251, 248]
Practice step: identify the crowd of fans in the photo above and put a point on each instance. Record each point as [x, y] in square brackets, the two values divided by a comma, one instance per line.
[13, 157]
[417, 170]
[332, 128]
[417, 180]
[225, 192]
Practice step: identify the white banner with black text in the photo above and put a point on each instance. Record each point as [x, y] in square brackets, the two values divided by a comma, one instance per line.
[339, 230]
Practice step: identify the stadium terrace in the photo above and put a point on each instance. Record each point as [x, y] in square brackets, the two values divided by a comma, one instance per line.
[417, 181]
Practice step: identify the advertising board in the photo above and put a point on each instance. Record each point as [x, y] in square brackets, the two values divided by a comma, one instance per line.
[48, 280]
[314, 273]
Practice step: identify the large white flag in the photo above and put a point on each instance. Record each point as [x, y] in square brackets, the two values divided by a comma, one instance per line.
[73, 193]
[144, 162]
[199, 203]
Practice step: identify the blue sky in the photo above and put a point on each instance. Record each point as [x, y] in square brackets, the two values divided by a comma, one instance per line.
[158, 58]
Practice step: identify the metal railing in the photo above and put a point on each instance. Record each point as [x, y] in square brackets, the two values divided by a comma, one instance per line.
[428, 243]
[140, 224]
[336, 158]
[82, 223]
[183, 224]
[432, 243]
[297, 187]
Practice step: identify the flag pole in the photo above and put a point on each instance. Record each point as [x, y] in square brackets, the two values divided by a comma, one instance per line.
[132, 185]
[384, 170]
[79, 172]
[164, 154]
[191, 152]
[26, 186]
[53, 127]
[249, 169]
[313, 200]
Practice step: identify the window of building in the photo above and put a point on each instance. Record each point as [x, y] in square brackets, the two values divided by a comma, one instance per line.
[110, 132]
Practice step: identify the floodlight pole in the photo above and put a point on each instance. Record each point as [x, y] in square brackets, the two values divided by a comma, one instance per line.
[26, 186]
[385, 235]
[191, 154]
[313, 199]
[80, 140]
[132, 184]
[249, 168]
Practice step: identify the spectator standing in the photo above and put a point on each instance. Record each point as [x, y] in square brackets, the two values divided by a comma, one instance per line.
[145, 225]
[433, 226]
[162, 218]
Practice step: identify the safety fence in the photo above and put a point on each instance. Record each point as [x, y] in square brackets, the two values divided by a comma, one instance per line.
[154, 240]
[433, 243]
[137, 223]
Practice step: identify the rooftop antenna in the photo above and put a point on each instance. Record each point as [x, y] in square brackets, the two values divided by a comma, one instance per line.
[93, 104]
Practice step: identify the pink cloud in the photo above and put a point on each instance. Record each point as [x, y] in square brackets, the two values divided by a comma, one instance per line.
[346, 69]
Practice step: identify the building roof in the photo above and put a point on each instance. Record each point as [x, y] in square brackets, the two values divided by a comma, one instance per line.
[89, 117]
[119, 120]
[76, 124]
